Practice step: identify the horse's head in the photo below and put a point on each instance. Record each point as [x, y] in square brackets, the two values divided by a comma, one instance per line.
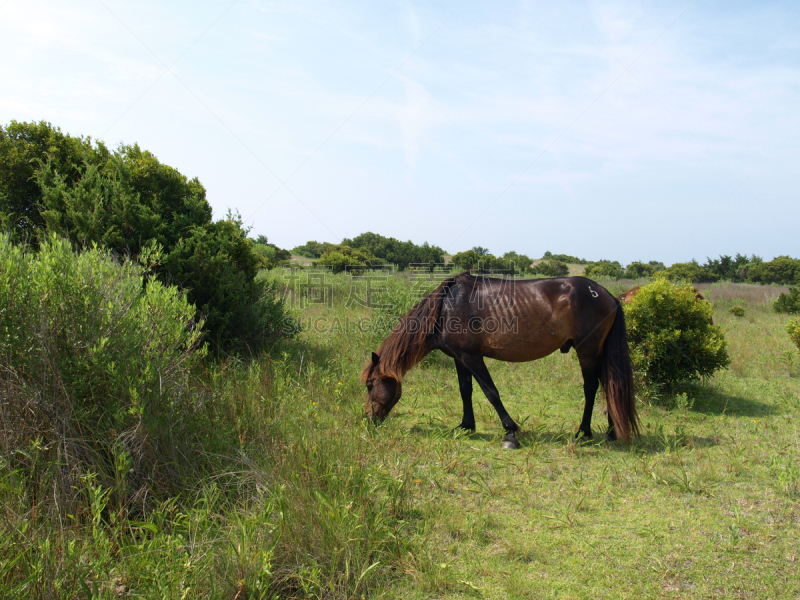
[383, 391]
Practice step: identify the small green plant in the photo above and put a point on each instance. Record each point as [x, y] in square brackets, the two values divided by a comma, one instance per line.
[737, 310]
[793, 329]
[671, 337]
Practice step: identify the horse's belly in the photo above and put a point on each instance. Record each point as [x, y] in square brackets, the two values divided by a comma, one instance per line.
[520, 348]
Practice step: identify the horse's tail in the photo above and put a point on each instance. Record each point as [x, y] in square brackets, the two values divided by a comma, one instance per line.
[616, 377]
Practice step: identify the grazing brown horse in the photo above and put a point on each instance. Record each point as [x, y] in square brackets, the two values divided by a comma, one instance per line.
[626, 297]
[469, 318]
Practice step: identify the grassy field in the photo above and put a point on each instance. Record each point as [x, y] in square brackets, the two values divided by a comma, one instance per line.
[705, 504]
[311, 501]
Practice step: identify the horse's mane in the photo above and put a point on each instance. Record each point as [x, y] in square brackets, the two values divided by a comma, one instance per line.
[407, 344]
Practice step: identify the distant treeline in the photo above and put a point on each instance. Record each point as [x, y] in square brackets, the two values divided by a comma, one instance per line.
[370, 248]
[374, 249]
[782, 270]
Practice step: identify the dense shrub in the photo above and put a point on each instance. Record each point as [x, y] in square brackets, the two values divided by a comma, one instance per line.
[604, 269]
[737, 310]
[389, 250]
[94, 366]
[690, 272]
[467, 260]
[730, 268]
[131, 203]
[551, 268]
[670, 335]
[311, 249]
[217, 267]
[481, 258]
[23, 148]
[640, 270]
[565, 258]
[339, 258]
[788, 303]
[269, 256]
[783, 270]
[518, 262]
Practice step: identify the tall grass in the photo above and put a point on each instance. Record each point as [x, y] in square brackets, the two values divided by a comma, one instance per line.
[285, 491]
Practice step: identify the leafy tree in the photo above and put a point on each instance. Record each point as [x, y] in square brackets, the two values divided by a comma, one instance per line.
[311, 249]
[788, 303]
[216, 266]
[728, 268]
[269, 255]
[467, 260]
[565, 258]
[671, 338]
[510, 263]
[604, 268]
[131, 203]
[551, 268]
[393, 251]
[783, 270]
[639, 270]
[520, 262]
[481, 251]
[24, 147]
[340, 257]
[691, 272]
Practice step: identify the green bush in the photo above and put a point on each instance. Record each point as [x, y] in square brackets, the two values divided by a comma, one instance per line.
[340, 258]
[217, 267]
[783, 270]
[23, 148]
[670, 335]
[604, 269]
[737, 310]
[788, 303]
[389, 250]
[793, 329]
[269, 255]
[312, 249]
[481, 258]
[94, 365]
[690, 272]
[551, 268]
[565, 258]
[130, 203]
[640, 270]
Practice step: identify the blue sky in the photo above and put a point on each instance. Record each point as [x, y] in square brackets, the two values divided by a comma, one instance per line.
[630, 131]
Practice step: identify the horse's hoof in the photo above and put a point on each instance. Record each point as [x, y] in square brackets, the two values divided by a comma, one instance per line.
[511, 442]
[583, 436]
[464, 429]
[611, 436]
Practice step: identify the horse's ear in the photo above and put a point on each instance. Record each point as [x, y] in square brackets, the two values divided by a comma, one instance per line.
[375, 358]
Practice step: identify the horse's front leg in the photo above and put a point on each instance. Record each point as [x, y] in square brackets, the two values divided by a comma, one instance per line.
[478, 369]
[465, 387]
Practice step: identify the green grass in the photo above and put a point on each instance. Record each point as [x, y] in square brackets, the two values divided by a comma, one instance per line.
[309, 501]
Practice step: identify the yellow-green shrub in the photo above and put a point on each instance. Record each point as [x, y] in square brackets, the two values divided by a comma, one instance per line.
[670, 335]
[793, 329]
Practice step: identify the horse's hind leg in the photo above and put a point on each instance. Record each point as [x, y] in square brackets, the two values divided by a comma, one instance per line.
[591, 381]
[465, 387]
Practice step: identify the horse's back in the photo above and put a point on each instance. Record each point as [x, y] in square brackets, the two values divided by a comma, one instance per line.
[523, 320]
